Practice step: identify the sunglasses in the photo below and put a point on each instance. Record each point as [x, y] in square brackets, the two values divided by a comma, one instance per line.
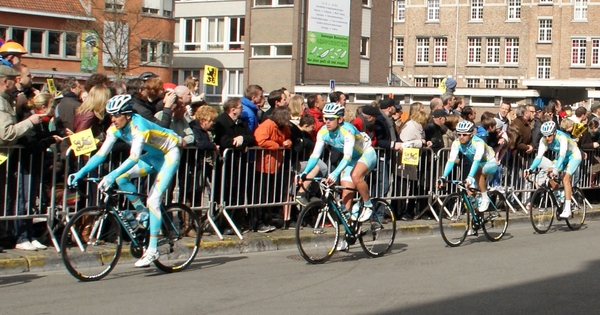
[330, 118]
[464, 134]
[117, 115]
[548, 136]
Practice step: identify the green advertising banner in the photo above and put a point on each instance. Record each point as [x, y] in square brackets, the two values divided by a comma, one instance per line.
[328, 31]
[327, 50]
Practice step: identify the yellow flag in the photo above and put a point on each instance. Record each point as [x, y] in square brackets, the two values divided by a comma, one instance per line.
[51, 86]
[578, 130]
[442, 85]
[211, 75]
[410, 156]
[83, 142]
[3, 158]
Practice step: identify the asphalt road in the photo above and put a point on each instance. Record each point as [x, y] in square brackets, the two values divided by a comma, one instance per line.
[524, 273]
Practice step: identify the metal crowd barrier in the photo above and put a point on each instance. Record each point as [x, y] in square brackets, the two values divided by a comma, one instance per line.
[217, 187]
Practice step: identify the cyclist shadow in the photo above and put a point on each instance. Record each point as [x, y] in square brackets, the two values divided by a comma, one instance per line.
[481, 238]
[562, 228]
[357, 253]
[9, 281]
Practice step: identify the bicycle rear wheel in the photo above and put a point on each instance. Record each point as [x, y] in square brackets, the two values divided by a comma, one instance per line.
[454, 220]
[179, 238]
[91, 244]
[378, 233]
[495, 219]
[317, 240]
[578, 209]
[543, 205]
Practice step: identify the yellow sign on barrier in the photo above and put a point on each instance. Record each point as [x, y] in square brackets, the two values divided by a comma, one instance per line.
[410, 156]
[83, 142]
[211, 75]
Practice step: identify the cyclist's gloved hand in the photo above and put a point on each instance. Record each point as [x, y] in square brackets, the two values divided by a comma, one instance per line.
[72, 180]
[526, 172]
[441, 181]
[300, 178]
[555, 172]
[106, 182]
[470, 181]
[332, 178]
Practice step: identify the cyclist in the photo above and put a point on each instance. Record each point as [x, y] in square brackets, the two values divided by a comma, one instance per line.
[162, 155]
[359, 158]
[482, 156]
[569, 158]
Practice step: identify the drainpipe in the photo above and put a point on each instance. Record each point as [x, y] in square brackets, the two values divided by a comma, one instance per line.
[389, 79]
[302, 31]
[456, 42]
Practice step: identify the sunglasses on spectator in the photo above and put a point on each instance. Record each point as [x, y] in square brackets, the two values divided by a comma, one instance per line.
[464, 134]
[330, 118]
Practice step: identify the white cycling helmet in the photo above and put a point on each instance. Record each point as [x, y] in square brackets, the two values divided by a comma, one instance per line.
[119, 104]
[548, 128]
[465, 126]
[333, 110]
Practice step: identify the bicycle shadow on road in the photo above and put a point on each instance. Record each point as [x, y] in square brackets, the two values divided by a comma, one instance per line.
[14, 280]
[355, 253]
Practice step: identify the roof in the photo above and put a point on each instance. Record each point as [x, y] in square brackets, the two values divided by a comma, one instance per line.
[57, 8]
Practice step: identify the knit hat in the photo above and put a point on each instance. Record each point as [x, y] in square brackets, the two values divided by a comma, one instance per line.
[370, 110]
[499, 123]
[450, 84]
[386, 102]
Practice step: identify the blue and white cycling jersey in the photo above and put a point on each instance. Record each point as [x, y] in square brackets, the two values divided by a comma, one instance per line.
[567, 150]
[475, 150]
[346, 139]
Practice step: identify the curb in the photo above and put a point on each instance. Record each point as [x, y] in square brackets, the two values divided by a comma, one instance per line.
[18, 261]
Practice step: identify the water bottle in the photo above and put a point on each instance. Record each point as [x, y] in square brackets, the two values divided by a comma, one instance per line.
[356, 209]
[560, 195]
[130, 218]
[474, 201]
[142, 219]
[343, 210]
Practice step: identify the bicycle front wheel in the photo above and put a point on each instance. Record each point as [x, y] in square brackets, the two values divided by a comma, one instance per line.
[495, 219]
[179, 238]
[91, 244]
[378, 233]
[541, 214]
[317, 232]
[578, 209]
[454, 220]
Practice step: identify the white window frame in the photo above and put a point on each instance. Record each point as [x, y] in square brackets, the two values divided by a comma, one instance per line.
[545, 30]
[543, 67]
[114, 5]
[400, 10]
[364, 47]
[199, 37]
[545, 2]
[491, 83]
[578, 50]
[399, 50]
[273, 3]
[514, 10]
[476, 10]
[580, 10]
[511, 51]
[492, 50]
[433, 10]
[511, 83]
[595, 51]
[161, 55]
[422, 50]
[421, 81]
[273, 50]
[440, 50]
[473, 83]
[474, 50]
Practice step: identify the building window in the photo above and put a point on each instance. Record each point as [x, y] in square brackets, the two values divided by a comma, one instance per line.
[236, 82]
[578, 52]
[276, 50]
[210, 34]
[543, 68]
[514, 9]
[491, 83]
[493, 50]
[580, 9]
[157, 7]
[435, 82]
[70, 44]
[423, 50]
[433, 10]
[440, 50]
[114, 5]
[512, 51]
[400, 9]
[595, 52]
[18, 35]
[545, 1]
[237, 29]
[364, 47]
[36, 38]
[476, 9]
[472, 83]
[399, 50]
[545, 31]
[153, 51]
[474, 53]
[216, 34]
[366, 3]
[510, 84]
[272, 3]
[421, 82]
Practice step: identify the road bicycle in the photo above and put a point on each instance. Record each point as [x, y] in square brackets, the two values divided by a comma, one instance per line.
[545, 206]
[459, 216]
[323, 218]
[92, 239]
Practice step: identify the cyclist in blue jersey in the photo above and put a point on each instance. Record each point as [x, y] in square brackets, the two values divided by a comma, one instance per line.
[359, 158]
[162, 155]
[568, 160]
[483, 158]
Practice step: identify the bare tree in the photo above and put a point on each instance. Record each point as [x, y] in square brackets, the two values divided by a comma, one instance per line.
[127, 37]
